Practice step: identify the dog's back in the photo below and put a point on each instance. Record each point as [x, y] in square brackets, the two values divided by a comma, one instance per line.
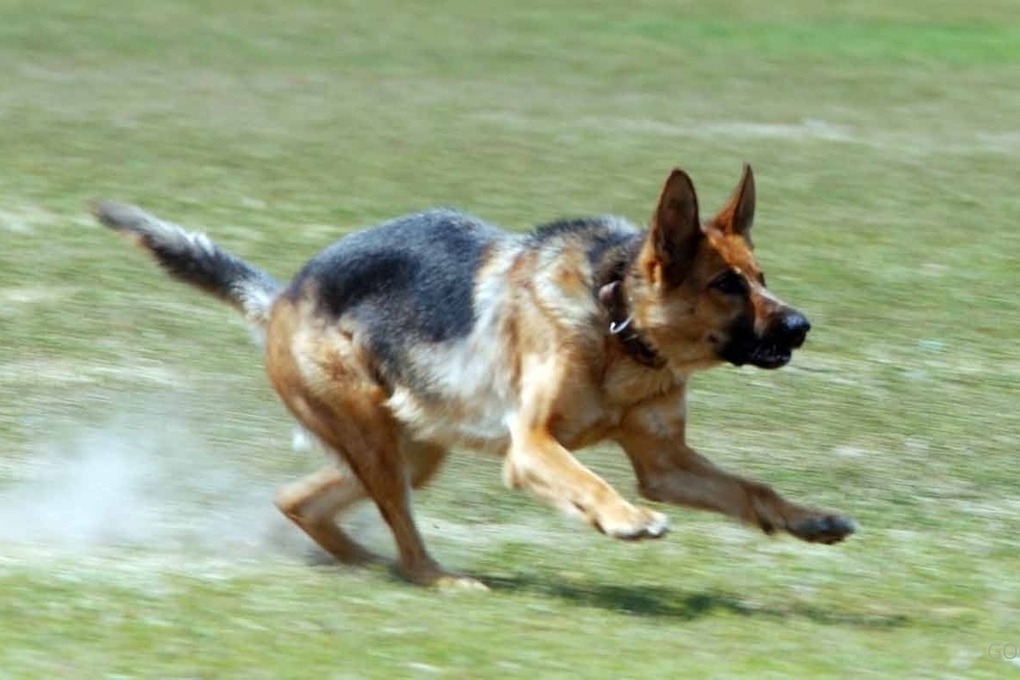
[404, 283]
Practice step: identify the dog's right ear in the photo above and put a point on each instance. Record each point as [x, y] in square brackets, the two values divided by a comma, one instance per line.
[674, 233]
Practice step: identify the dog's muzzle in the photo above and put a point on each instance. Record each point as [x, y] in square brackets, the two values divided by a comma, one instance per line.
[771, 350]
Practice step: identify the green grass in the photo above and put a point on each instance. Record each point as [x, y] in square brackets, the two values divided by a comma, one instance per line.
[884, 138]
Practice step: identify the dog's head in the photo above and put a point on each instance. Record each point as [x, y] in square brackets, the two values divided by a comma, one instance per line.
[697, 291]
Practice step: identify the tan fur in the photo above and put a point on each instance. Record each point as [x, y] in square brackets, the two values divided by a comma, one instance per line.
[559, 383]
[326, 381]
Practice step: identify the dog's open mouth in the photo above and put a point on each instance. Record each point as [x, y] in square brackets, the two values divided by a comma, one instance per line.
[770, 356]
[759, 353]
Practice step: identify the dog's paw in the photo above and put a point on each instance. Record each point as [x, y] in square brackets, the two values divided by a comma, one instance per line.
[631, 522]
[456, 583]
[431, 575]
[825, 529]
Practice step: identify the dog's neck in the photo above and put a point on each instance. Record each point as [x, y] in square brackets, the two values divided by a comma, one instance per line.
[621, 326]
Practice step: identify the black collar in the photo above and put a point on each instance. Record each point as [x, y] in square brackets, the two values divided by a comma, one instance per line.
[621, 325]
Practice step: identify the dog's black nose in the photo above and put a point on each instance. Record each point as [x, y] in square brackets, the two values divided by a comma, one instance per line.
[793, 328]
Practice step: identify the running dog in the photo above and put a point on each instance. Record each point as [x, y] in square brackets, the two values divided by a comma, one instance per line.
[437, 331]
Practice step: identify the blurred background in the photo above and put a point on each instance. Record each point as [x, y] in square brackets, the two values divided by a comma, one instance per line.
[141, 443]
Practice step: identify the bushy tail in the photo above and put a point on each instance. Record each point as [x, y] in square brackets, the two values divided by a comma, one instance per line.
[192, 258]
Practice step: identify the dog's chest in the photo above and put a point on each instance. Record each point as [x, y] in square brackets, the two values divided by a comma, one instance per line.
[452, 423]
[477, 411]
[460, 396]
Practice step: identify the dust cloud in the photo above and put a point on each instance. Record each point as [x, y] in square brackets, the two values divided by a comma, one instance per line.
[151, 484]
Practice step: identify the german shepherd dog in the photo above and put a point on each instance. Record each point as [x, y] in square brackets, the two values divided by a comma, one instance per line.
[436, 331]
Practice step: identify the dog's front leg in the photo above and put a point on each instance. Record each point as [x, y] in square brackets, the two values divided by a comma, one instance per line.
[671, 472]
[538, 462]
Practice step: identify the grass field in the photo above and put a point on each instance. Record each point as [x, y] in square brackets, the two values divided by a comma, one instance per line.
[142, 443]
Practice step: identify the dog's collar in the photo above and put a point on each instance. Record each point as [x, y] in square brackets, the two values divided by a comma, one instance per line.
[621, 326]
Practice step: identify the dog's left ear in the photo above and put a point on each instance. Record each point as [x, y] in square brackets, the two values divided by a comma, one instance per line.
[675, 232]
[737, 215]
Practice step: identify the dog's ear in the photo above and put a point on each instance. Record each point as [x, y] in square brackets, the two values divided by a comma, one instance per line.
[675, 232]
[737, 215]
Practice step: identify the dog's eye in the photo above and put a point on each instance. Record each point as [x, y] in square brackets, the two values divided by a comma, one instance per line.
[730, 283]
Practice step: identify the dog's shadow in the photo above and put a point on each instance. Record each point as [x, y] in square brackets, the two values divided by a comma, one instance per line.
[662, 601]
[672, 603]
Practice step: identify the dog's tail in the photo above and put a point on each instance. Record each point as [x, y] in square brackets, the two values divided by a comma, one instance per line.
[192, 258]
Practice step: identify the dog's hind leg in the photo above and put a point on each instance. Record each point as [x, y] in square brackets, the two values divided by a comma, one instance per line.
[313, 503]
[370, 441]
[324, 380]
